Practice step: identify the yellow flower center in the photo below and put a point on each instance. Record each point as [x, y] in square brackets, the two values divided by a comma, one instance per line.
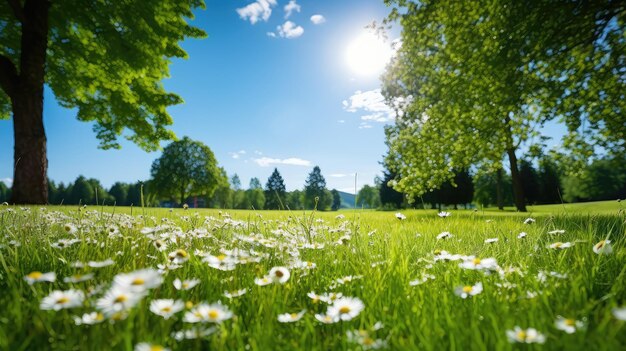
[120, 299]
[62, 300]
[344, 309]
[35, 275]
[189, 304]
[156, 348]
[476, 261]
[99, 316]
[181, 253]
[68, 228]
[294, 315]
[467, 289]
[521, 335]
[309, 264]
[570, 322]
[600, 244]
[368, 341]
[437, 252]
[557, 245]
[213, 314]
[166, 309]
[185, 285]
[138, 281]
[221, 257]
[279, 274]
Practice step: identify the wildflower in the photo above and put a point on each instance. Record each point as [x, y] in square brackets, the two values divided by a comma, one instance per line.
[89, 318]
[326, 318]
[144, 346]
[221, 262]
[214, 313]
[100, 264]
[235, 293]
[423, 279]
[485, 264]
[58, 300]
[491, 240]
[185, 206]
[331, 297]
[521, 235]
[363, 338]
[603, 247]
[140, 280]
[340, 216]
[291, 317]
[556, 232]
[444, 214]
[469, 290]
[619, 313]
[529, 220]
[263, 281]
[36, 277]
[179, 256]
[528, 336]
[444, 235]
[400, 216]
[568, 325]
[560, 246]
[166, 307]
[77, 278]
[64, 243]
[117, 300]
[193, 333]
[185, 284]
[315, 297]
[70, 228]
[160, 245]
[279, 275]
[346, 308]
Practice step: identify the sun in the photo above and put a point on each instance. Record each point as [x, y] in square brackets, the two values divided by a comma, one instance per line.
[367, 55]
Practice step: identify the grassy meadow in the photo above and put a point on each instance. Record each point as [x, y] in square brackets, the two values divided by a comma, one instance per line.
[103, 278]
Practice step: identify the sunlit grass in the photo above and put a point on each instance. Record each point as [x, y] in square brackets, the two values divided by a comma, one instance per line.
[382, 254]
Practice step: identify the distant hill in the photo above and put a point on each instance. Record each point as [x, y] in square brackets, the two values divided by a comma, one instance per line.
[347, 199]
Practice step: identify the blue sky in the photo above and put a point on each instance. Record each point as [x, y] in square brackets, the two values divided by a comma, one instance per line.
[260, 95]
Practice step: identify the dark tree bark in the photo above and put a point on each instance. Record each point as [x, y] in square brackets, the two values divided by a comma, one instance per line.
[25, 89]
[499, 191]
[516, 179]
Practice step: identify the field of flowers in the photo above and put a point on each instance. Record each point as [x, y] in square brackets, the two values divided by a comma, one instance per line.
[151, 279]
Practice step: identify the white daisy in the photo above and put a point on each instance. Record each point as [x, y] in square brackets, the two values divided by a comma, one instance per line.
[89, 318]
[291, 317]
[279, 275]
[140, 280]
[166, 307]
[144, 346]
[202, 313]
[529, 221]
[36, 277]
[603, 247]
[179, 256]
[560, 246]
[363, 338]
[465, 291]
[185, 284]
[568, 325]
[100, 264]
[521, 235]
[346, 308]
[118, 299]
[77, 278]
[70, 228]
[528, 336]
[619, 313]
[485, 264]
[263, 281]
[58, 300]
[444, 214]
[556, 232]
[326, 318]
[400, 216]
[235, 293]
[193, 333]
[491, 240]
[444, 235]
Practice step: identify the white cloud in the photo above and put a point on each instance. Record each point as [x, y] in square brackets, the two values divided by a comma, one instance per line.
[7, 181]
[341, 175]
[237, 154]
[290, 30]
[257, 152]
[271, 34]
[341, 121]
[260, 9]
[318, 19]
[291, 7]
[365, 125]
[292, 161]
[373, 103]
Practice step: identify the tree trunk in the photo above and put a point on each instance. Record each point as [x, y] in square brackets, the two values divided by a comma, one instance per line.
[30, 184]
[516, 179]
[499, 194]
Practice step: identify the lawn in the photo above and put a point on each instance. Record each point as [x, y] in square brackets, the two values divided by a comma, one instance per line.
[348, 280]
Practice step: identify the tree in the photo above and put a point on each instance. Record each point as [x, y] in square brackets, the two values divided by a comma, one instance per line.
[255, 183]
[185, 168]
[4, 192]
[486, 189]
[106, 59]
[255, 198]
[81, 193]
[474, 80]
[235, 182]
[368, 197]
[119, 192]
[336, 205]
[549, 182]
[315, 192]
[223, 196]
[389, 197]
[275, 191]
[604, 179]
[530, 181]
[294, 200]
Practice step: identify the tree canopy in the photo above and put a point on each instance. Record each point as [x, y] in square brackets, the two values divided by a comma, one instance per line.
[275, 191]
[185, 168]
[475, 80]
[106, 59]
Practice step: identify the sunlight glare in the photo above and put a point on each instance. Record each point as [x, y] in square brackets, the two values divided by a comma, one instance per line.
[367, 54]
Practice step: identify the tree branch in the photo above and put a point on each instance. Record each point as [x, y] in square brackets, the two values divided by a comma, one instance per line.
[8, 75]
[17, 9]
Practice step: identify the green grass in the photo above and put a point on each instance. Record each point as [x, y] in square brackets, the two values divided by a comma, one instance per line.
[386, 252]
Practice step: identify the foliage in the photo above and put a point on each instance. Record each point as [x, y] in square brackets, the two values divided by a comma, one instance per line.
[389, 197]
[368, 197]
[487, 189]
[275, 191]
[336, 204]
[315, 193]
[530, 181]
[186, 168]
[604, 179]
